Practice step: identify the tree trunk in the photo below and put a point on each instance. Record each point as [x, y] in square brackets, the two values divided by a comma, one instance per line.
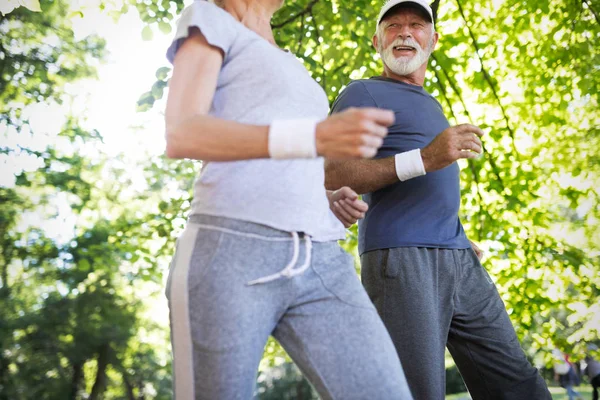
[76, 380]
[128, 386]
[3, 376]
[5, 331]
[7, 255]
[4, 277]
[5, 288]
[100, 383]
[300, 392]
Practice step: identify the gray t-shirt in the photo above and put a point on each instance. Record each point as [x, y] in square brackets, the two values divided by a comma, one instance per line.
[260, 83]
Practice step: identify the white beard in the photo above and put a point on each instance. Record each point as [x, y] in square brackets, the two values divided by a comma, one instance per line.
[406, 65]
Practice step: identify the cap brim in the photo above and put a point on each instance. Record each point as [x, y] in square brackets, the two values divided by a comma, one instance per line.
[408, 4]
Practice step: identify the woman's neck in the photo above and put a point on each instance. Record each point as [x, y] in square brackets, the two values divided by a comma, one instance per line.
[254, 15]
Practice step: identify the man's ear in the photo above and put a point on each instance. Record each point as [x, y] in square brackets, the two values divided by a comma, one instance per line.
[375, 40]
[436, 36]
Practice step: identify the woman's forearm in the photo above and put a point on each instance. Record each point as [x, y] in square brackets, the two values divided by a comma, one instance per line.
[207, 138]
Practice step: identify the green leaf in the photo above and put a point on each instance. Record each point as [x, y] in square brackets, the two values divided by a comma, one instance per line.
[145, 102]
[164, 27]
[147, 33]
[162, 73]
[157, 89]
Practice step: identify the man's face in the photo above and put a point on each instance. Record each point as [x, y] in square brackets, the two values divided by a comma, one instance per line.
[405, 40]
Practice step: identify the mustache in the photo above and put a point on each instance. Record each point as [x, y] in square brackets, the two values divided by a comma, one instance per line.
[406, 42]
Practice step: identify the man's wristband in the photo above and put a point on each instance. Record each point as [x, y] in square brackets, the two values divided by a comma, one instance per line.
[409, 164]
[293, 138]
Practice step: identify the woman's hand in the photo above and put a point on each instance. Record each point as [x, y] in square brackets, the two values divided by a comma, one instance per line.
[346, 206]
[353, 133]
[477, 250]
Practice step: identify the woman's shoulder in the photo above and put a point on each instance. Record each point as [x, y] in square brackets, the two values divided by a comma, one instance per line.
[208, 13]
[218, 26]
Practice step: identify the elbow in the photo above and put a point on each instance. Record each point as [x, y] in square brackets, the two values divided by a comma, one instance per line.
[174, 139]
[330, 184]
[172, 153]
[331, 181]
[172, 150]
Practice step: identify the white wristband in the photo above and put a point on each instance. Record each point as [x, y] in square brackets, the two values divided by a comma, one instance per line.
[409, 164]
[293, 138]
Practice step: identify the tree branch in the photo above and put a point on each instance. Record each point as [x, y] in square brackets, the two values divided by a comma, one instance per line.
[338, 68]
[3, 65]
[118, 364]
[301, 38]
[471, 164]
[594, 12]
[444, 94]
[76, 379]
[476, 179]
[495, 169]
[452, 86]
[435, 7]
[307, 10]
[457, 91]
[5, 287]
[318, 41]
[100, 381]
[488, 78]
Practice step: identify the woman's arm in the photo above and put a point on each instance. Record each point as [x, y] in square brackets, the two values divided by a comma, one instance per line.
[346, 206]
[192, 133]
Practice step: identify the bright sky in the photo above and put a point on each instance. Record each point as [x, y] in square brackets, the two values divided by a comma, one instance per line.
[129, 72]
[107, 104]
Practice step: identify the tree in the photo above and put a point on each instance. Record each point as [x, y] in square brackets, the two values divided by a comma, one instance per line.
[70, 306]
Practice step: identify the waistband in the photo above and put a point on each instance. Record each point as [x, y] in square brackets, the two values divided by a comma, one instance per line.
[240, 226]
[257, 231]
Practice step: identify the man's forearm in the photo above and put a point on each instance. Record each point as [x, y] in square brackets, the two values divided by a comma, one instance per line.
[363, 176]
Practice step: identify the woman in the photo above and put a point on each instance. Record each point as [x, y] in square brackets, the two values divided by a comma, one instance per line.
[259, 255]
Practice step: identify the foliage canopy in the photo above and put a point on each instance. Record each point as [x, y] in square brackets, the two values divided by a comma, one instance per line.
[527, 72]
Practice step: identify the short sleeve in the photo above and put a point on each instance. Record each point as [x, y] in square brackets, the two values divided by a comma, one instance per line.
[354, 95]
[218, 27]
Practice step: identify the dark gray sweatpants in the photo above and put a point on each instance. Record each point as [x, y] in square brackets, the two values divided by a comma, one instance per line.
[432, 298]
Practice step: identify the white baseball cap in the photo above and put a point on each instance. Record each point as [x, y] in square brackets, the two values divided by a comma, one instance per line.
[393, 3]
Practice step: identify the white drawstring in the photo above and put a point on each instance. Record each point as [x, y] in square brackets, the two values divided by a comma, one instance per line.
[289, 271]
[306, 265]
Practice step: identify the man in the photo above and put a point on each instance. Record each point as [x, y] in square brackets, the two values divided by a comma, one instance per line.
[593, 370]
[417, 264]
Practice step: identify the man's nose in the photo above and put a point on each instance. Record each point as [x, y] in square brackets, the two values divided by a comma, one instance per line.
[404, 32]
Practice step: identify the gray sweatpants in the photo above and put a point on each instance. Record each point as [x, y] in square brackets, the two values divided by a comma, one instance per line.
[433, 298]
[322, 317]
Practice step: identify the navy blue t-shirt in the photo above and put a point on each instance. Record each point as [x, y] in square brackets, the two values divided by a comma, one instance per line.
[419, 212]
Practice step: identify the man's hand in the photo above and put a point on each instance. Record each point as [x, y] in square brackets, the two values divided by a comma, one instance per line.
[346, 205]
[477, 250]
[460, 141]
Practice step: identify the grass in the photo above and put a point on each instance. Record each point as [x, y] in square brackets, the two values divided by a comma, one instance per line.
[558, 393]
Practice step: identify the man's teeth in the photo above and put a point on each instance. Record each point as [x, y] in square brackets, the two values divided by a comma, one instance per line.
[403, 48]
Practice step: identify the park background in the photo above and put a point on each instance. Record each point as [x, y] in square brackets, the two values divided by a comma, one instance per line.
[90, 208]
